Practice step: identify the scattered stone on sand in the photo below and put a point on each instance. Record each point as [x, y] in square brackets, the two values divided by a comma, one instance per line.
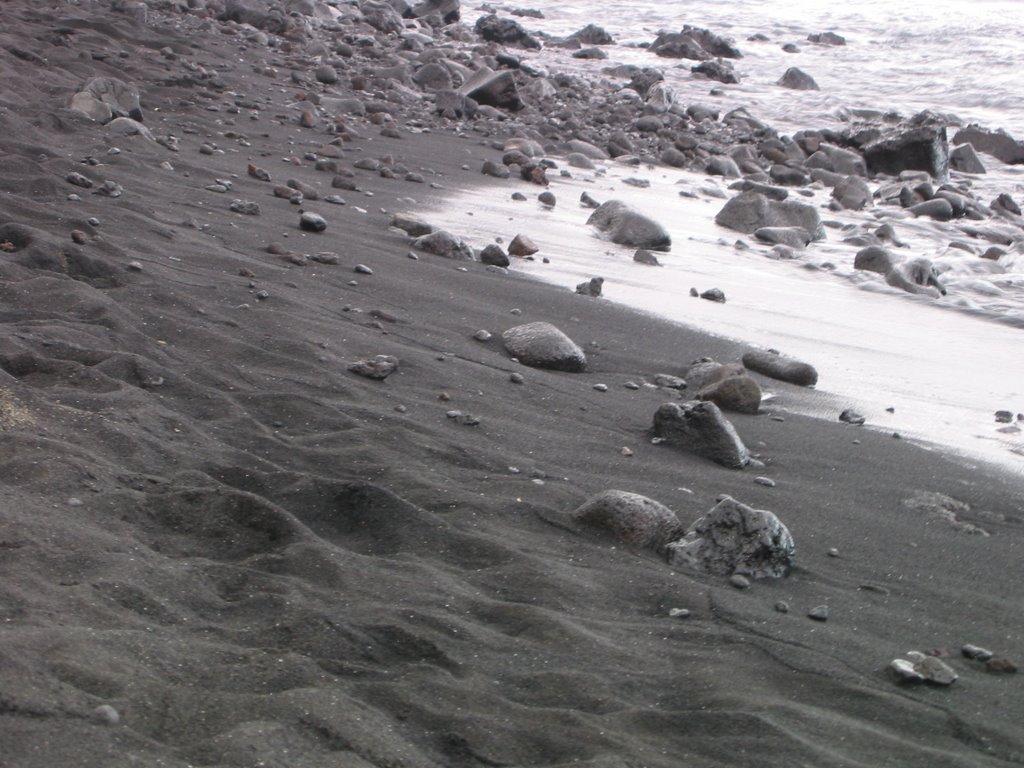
[78, 180]
[851, 416]
[917, 667]
[818, 613]
[443, 243]
[246, 207]
[522, 245]
[379, 367]
[312, 222]
[104, 98]
[411, 224]
[733, 393]
[976, 652]
[739, 581]
[1000, 665]
[750, 211]
[258, 173]
[735, 539]
[591, 287]
[634, 519]
[798, 80]
[769, 362]
[106, 715]
[946, 509]
[542, 345]
[643, 256]
[493, 255]
[700, 427]
[716, 295]
[625, 225]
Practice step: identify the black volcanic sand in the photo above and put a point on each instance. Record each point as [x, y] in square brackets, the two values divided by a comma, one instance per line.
[259, 558]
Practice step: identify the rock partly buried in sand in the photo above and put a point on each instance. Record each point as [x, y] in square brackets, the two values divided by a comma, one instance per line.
[700, 427]
[379, 367]
[918, 148]
[442, 243]
[770, 363]
[591, 287]
[411, 224]
[798, 80]
[627, 226]
[542, 345]
[104, 98]
[735, 539]
[633, 519]
[750, 211]
[734, 393]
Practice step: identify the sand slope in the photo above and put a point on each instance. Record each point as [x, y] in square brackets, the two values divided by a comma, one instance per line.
[210, 524]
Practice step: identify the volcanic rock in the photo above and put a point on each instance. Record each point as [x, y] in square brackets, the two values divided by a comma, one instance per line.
[627, 226]
[700, 427]
[750, 211]
[542, 345]
[776, 366]
[633, 519]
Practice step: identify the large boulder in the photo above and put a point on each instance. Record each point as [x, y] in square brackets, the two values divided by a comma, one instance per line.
[694, 43]
[735, 539]
[633, 519]
[999, 144]
[104, 98]
[627, 226]
[918, 148]
[542, 345]
[750, 211]
[770, 363]
[700, 427]
[496, 89]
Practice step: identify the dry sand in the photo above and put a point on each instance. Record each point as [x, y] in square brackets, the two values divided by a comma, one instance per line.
[258, 558]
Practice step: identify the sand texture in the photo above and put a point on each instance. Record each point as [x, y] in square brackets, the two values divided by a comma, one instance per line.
[216, 534]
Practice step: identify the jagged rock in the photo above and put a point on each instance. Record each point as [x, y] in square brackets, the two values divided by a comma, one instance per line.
[633, 519]
[442, 243]
[999, 144]
[750, 211]
[776, 366]
[852, 193]
[505, 31]
[104, 98]
[627, 226]
[495, 89]
[542, 345]
[917, 148]
[965, 160]
[700, 427]
[798, 80]
[379, 367]
[735, 539]
[716, 69]
[591, 287]
[734, 393]
[694, 43]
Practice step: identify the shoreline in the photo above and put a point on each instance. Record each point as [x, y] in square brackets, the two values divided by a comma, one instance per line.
[221, 546]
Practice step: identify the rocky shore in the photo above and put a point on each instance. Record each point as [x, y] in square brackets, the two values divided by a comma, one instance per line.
[291, 476]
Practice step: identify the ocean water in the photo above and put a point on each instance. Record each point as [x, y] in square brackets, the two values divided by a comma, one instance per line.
[932, 370]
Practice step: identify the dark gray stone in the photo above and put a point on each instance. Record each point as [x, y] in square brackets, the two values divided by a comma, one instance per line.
[627, 226]
[542, 345]
[798, 80]
[749, 211]
[633, 519]
[794, 237]
[999, 144]
[442, 243]
[701, 428]
[852, 193]
[776, 366]
[918, 148]
[495, 89]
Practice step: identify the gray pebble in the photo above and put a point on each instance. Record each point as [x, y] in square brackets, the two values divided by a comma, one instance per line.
[739, 581]
[765, 481]
[362, 269]
[818, 613]
[601, 387]
[106, 715]
[782, 606]
[516, 378]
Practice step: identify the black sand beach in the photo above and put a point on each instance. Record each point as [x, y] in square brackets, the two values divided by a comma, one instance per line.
[215, 534]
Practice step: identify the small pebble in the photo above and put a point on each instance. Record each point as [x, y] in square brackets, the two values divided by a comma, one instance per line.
[833, 552]
[515, 311]
[482, 335]
[1001, 666]
[818, 613]
[626, 451]
[631, 385]
[765, 481]
[362, 269]
[739, 581]
[106, 715]
[976, 652]
[679, 613]
[516, 378]
[782, 606]
[74, 501]
[601, 387]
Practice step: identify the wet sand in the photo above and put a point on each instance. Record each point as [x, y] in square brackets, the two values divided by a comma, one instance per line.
[257, 557]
